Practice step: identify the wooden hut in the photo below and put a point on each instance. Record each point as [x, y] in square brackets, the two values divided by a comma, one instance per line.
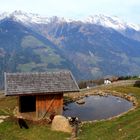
[40, 93]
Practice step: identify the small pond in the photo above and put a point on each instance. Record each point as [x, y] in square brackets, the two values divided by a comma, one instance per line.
[97, 107]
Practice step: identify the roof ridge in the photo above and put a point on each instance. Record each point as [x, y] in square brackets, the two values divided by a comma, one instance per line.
[40, 82]
[46, 72]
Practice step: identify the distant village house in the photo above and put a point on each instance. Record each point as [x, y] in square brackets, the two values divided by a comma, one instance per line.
[106, 82]
[110, 79]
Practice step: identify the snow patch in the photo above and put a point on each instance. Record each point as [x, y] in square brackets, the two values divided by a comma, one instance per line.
[110, 22]
[106, 21]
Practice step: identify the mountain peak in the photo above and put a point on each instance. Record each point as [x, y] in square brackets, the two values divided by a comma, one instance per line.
[105, 21]
[111, 22]
[24, 17]
[18, 12]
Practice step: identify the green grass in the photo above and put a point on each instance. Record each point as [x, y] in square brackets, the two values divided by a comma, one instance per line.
[9, 130]
[109, 130]
[126, 127]
[48, 55]
[7, 105]
[30, 41]
[26, 67]
[29, 66]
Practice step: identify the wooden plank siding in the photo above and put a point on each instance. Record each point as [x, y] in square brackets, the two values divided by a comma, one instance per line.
[48, 104]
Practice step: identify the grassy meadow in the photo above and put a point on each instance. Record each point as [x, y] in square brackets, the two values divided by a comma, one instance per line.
[126, 127]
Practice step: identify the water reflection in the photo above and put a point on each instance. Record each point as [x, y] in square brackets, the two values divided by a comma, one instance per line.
[98, 107]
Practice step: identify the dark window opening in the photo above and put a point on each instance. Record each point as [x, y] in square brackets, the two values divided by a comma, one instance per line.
[27, 104]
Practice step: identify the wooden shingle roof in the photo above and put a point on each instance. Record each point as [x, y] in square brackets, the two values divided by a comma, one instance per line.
[39, 83]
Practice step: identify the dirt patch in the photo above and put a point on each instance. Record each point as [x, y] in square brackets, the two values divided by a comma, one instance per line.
[2, 95]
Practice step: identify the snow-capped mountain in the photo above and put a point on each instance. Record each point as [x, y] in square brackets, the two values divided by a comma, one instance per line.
[31, 18]
[111, 22]
[90, 48]
[106, 21]
[25, 17]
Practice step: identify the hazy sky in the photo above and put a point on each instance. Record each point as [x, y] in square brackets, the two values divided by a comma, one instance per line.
[128, 10]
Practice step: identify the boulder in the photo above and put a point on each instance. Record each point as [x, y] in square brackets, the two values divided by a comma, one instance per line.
[81, 101]
[60, 123]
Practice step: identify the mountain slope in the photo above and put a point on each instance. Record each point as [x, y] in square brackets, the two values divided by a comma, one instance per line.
[90, 48]
[97, 51]
[22, 49]
[129, 30]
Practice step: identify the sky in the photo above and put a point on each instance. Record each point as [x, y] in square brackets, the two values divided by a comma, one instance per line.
[127, 10]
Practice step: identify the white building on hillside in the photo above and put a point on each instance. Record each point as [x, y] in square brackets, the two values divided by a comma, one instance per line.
[106, 82]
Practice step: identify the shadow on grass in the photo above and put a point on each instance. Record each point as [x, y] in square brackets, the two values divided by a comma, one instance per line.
[137, 84]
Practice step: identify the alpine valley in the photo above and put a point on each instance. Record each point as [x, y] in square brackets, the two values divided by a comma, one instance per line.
[91, 48]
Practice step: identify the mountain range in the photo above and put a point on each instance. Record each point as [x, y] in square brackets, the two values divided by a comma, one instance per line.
[91, 48]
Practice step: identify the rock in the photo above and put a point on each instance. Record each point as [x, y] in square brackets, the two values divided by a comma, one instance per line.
[1, 121]
[81, 101]
[125, 94]
[86, 95]
[60, 123]
[100, 92]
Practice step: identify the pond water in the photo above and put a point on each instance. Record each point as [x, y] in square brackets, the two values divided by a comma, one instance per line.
[97, 108]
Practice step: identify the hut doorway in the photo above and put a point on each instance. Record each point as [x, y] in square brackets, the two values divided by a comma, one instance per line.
[27, 104]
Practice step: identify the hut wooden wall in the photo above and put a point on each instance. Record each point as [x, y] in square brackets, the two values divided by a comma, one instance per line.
[48, 104]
